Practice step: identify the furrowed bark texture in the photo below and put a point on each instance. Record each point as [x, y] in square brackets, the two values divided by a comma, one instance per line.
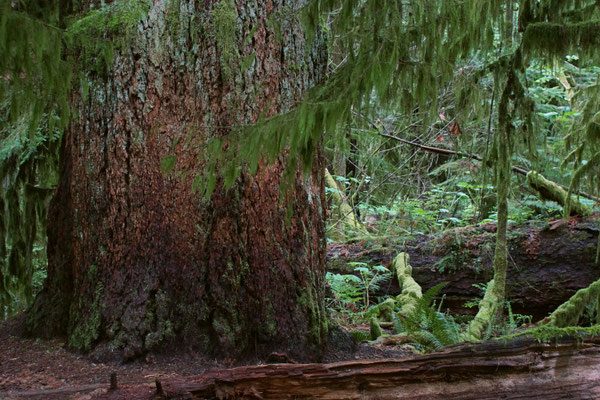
[136, 260]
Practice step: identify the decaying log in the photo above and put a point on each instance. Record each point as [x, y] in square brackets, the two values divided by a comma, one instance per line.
[58, 393]
[547, 264]
[346, 212]
[519, 369]
[548, 190]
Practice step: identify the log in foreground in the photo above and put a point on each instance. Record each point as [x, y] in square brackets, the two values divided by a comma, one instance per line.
[519, 369]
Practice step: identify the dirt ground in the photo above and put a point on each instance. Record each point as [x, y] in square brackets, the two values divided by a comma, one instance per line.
[45, 369]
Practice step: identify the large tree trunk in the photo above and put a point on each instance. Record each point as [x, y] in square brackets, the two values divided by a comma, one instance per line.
[136, 260]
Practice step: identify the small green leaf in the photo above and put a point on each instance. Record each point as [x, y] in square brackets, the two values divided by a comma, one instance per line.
[196, 183]
[167, 163]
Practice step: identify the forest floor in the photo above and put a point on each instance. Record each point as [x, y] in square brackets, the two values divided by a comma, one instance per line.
[46, 369]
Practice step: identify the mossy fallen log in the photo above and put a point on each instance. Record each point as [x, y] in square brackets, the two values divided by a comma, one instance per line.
[569, 313]
[548, 190]
[345, 211]
[548, 263]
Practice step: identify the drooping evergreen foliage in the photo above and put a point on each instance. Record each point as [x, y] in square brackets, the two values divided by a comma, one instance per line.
[35, 79]
[397, 54]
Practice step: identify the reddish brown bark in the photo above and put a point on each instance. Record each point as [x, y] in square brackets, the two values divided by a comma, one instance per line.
[136, 260]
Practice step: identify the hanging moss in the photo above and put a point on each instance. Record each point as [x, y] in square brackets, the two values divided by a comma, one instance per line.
[27, 161]
[558, 39]
[593, 129]
[395, 54]
[95, 35]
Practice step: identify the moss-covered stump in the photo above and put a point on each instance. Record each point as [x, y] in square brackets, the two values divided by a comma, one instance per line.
[547, 264]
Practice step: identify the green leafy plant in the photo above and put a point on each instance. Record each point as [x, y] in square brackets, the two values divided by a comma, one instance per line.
[427, 325]
[372, 277]
[352, 293]
[516, 321]
[361, 336]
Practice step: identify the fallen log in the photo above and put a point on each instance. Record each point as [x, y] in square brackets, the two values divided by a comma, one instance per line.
[346, 215]
[512, 369]
[519, 369]
[547, 264]
[548, 190]
[59, 393]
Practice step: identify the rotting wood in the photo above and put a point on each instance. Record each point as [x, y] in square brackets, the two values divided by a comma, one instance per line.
[53, 393]
[547, 263]
[516, 369]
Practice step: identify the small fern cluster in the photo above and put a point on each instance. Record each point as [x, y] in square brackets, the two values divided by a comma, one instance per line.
[427, 326]
[352, 293]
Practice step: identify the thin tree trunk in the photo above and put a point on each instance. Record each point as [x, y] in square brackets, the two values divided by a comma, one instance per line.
[136, 259]
[495, 293]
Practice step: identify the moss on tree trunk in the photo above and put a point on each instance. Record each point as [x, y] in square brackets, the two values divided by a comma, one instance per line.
[493, 299]
[136, 259]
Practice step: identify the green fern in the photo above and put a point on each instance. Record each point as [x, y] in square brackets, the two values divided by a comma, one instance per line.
[428, 327]
[361, 336]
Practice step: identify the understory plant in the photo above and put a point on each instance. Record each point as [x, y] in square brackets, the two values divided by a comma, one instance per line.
[427, 326]
[352, 293]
